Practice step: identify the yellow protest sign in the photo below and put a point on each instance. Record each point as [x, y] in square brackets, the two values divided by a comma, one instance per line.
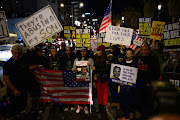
[82, 38]
[157, 30]
[144, 26]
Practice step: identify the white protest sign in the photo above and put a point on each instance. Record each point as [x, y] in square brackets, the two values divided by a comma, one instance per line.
[138, 41]
[119, 35]
[4, 32]
[123, 74]
[39, 26]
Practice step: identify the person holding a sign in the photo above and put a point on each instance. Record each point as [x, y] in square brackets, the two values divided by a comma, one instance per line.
[148, 70]
[84, 72]
[101, 76]
[127, 93]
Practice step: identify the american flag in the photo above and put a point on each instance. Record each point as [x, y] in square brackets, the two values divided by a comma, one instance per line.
[106, 20]
[61, 87]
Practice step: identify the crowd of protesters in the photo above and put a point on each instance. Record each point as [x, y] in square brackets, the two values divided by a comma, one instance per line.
[150, 60]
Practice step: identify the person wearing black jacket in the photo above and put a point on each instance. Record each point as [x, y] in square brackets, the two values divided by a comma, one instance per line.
[148, 70]
[67, 59]
[101, 77]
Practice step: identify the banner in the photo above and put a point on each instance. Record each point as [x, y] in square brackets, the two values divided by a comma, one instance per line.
[173, 79]
[157, 30]
[39, 26]
[119, 35]
[61, 87]
[82, 38]
[4, 31]
[144, 26]
[83, 69]
[172, 36]
[123, 74]
[69, 32]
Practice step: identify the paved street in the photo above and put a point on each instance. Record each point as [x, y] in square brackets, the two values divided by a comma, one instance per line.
[57, 114]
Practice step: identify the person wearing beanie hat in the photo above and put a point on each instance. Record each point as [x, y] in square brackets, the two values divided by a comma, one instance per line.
[100, 47]
[101, 77]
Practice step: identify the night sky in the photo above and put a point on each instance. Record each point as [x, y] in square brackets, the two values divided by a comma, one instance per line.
[99, 7]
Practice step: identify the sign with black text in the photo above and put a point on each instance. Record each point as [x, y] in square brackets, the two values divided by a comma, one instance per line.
[4, 31]
[157, 30]
[172, 35]
[144, 26]
[82, 38]
[123, 74]
[69, 32]
[39, 26]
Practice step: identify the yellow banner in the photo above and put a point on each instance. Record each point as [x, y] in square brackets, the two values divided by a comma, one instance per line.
[172, 42]
[157, 30]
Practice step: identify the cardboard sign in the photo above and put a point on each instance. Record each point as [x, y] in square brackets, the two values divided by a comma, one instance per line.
[157, 30]
[69, 32]
[82, 38]
[172, 35]
[119, 35]
[4, 31]
[123, 74]
[83, 73]
[144, 26]
[39, 26]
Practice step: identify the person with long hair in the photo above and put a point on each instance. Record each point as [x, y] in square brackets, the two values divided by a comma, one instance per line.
[84, 71]
[101, 77]
[54, 62]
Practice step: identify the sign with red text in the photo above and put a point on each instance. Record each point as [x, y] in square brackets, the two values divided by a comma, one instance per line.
[157, 30]
[39, 26]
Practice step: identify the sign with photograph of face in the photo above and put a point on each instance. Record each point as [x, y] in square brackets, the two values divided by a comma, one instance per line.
[83, 69]
[123, 74]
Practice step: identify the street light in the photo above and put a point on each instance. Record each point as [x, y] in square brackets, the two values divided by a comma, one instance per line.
[83, 15]
[159, 8]
[62, 5]
[81, 5]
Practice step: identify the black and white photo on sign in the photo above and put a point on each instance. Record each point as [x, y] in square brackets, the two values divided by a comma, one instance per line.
[39, 26]
[83, 69]
[121, 73]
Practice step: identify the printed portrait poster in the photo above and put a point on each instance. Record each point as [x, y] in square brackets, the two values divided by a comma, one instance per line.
[123, 74]
[83, 73]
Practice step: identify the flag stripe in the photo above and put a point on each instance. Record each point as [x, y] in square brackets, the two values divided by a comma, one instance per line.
[107, 19]
[62, 87]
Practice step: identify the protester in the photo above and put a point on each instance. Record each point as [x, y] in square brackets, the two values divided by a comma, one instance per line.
[54, 60]
[67, 59]
[101, 77]
[148, 70]
[83, 57]
[127, 95]
[18, 78]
